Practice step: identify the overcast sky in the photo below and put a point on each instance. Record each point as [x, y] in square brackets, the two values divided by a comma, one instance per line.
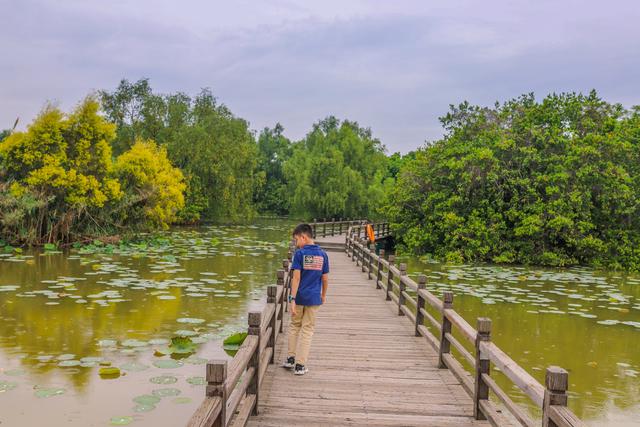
[393, 66]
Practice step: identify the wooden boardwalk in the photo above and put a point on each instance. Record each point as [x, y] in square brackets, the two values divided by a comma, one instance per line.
[366, 367]
[374, 361]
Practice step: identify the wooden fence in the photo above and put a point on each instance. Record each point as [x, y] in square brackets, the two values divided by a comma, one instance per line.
[414, 300]
[332, 227]
[233, 388]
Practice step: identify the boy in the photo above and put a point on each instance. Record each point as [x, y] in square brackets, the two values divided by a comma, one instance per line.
[308, 291]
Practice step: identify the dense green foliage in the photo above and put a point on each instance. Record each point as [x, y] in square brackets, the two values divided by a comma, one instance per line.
[149, 160]
[215, 150]
[271, 193]
[337, 170]
[555, 182]
[57, 179]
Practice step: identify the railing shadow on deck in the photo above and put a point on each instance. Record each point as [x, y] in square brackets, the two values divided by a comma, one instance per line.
[395, 284]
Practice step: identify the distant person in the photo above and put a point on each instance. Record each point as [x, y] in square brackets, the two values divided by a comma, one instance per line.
[308, 291]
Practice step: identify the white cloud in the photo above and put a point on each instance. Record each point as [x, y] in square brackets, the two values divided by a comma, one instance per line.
[393, 66]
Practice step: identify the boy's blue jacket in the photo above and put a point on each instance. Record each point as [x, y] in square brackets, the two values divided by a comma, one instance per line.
[312, 262]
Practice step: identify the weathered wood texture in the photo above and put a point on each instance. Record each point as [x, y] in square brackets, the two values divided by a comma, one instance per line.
[373, 361]
[367, 367]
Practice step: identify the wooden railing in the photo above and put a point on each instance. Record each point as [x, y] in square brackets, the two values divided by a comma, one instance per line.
[233, 388]
[333, 227]
[413, 300]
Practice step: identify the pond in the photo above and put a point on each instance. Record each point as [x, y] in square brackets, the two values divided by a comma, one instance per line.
[67, 317]
[585, 321]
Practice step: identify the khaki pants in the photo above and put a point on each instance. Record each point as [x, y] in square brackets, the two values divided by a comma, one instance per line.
[301, 329]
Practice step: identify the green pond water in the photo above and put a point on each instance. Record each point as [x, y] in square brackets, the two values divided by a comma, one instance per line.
[585, 321]
[62, 314]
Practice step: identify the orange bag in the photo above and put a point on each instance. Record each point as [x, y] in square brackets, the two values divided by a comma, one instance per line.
[370, 233]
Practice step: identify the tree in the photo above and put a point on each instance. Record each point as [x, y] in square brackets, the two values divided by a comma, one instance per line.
[271, 190]
[60, 168]
[332, 170]
[555, 182]
[153, 187]
[215, 149]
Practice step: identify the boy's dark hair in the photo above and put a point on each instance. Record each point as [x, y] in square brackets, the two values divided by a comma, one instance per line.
[303, 229]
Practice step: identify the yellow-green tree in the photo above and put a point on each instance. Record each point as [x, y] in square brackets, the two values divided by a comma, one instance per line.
[56, 173]
[153, 187]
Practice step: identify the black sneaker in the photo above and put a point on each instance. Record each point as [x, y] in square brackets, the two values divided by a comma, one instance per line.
[289, 363]
[300, 369]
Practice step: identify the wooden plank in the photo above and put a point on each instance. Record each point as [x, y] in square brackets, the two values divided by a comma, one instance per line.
[207, 412]
[431, 319]
[491, 414]
[514, 372]
[520, 415]
[239, 392]
[431, 299]
[563, 417]
[407, 312]
[431, 339]
[240, 361]
[463, 351]
[244, 411]
[264, 364]
[463, 326]
[459, 372]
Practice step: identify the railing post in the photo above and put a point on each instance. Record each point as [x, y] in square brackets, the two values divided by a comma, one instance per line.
[483, 366]
[363, 242]
[422, 284]
[445, 346]
[255, 321]
[402, 287]
[340, 226]
[379, 265]
[556, 383]
[369, 261]
[272, 292]
[324, 227]
[216, 386]
[314, 227]
[392, 259]
[333, 226]
[287, 284]
[282, 301]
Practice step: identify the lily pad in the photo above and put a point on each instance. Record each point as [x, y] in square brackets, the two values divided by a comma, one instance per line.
[121, 421]
[134, 343]
[15, 372]
[190, 320]
[167, 364]
[146, 399]
[66, 357]
[181, 400]
[49, 392]
[7, 385]
[196, 380]
[235, 339]
[166, 392]
[68, 363]
[134, 367]
[165, 379]
[143, 408]
[109, 372]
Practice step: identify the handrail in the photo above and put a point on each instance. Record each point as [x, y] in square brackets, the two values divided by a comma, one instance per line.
[392, 279]
[324, 228]
[233, 387]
